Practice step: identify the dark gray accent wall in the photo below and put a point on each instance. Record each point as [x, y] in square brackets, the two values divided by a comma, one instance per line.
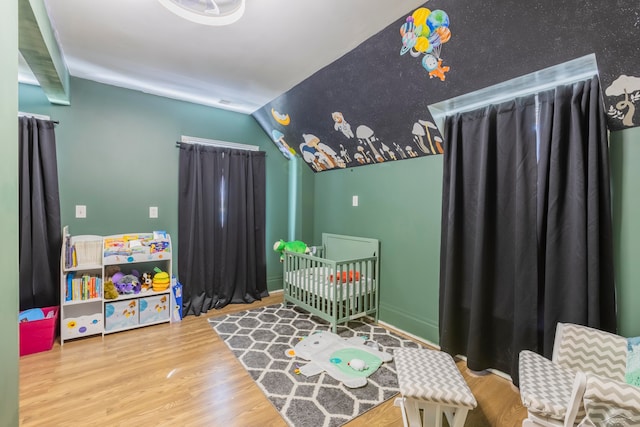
[376, 86]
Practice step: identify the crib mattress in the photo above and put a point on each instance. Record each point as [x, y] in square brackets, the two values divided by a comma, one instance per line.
[322, 282]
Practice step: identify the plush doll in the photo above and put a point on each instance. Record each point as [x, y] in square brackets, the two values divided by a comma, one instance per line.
[292, 246]
[110, 291]
[128, 284]
[146, 280]
[161, 280]
[110, 271]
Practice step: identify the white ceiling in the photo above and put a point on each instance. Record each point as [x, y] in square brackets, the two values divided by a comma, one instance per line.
[140, 45]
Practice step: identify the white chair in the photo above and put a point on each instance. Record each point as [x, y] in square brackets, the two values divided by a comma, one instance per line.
[583, 383]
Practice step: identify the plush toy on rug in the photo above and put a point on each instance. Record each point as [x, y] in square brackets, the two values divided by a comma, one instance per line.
[349, 360]
[292, 246]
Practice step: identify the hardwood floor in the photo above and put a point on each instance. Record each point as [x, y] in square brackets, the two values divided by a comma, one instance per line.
[182, 374]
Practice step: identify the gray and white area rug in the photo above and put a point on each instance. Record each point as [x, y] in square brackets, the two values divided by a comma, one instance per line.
[260, 339]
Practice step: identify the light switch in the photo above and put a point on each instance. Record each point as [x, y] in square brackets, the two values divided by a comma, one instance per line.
[354, 201]
[153, 212]
[81, 211]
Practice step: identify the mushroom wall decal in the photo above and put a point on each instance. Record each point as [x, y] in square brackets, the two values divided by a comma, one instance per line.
[285, 149]
[366, 133]
[428, 126]
[624, 85]
[438, 141]
[418, 132]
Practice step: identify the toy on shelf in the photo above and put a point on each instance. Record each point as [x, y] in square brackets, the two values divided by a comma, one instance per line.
[110, 291]
[110, 271]
[146, 281]
[128, 284]
[161, 280]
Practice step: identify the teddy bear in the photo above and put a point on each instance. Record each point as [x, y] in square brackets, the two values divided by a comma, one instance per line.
[292, 246]
[110, 271]
[110, 291]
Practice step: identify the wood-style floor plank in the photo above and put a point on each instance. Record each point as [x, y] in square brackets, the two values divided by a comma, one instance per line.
[183, 374]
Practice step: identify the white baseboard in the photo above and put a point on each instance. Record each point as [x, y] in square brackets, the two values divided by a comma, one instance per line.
[437, 347]
[412, 336]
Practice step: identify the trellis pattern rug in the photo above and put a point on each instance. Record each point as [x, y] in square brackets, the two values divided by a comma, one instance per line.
[259, 338]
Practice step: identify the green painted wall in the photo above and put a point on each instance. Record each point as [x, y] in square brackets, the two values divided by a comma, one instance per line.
[399, 204]
[9, 214]
[625, 174]
[117, 155]
[304, 201]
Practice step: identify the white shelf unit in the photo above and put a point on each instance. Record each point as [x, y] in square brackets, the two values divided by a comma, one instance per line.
[85, 313]
[80, 303]
[132, 251]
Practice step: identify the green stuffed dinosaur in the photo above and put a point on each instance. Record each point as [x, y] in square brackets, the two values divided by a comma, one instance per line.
[292, 246]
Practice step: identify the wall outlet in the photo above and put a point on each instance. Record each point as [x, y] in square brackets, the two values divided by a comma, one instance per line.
[81, 211]
[153, 212]
[354, 201]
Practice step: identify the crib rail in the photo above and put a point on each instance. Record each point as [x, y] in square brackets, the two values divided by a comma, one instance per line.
[337, 291]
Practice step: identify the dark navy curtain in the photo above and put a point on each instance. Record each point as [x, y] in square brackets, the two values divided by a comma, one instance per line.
[40, 233]
[221, 226]
[526, 226]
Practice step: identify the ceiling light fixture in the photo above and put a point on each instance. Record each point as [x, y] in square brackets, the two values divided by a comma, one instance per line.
[207, 12]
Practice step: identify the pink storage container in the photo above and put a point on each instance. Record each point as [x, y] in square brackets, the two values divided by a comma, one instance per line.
[39, 335]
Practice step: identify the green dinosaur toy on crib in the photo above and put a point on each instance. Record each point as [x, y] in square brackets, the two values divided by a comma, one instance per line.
[292, 246]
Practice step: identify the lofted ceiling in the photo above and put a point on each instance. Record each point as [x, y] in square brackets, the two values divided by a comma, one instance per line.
[140, 45]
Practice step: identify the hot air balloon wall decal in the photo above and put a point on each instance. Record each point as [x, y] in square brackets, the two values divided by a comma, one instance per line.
[423, 34]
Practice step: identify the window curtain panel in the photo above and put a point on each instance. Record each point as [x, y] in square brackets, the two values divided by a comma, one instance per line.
[526, 226]
[574, 212]
[488, 283]
[221, 226]
[40, 233]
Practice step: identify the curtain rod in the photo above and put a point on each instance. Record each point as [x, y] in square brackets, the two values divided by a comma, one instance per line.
[216, 143]
[37, 116]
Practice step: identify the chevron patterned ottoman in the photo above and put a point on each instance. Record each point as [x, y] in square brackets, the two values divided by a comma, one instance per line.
[430, 383]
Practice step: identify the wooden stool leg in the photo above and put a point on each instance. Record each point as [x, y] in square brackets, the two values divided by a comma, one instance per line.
[413, 412]
[400, 402]
[456, 416]
[431, 414]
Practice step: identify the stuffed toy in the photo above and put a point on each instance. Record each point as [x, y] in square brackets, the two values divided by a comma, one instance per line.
[357, 364]
[128, 284]
[110, 291]
[161, 280]
[344, 276]
[146, 280]
[110, 271]
[292, 246]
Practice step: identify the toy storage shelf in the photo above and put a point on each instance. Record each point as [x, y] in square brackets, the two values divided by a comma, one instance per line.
[128, 252]
[83, 309]
[140, 295]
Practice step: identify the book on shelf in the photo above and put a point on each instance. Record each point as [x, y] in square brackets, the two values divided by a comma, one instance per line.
[88, 252]
[82, 252]
[83, 288]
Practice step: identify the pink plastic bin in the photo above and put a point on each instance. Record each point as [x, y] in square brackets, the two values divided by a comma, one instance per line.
[38, 335]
